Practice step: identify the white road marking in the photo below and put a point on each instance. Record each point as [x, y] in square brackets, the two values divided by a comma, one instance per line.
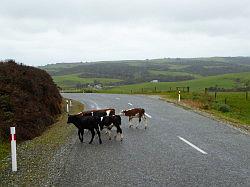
[130, 104]
[117, 98]
[192, 145]
[148, 115]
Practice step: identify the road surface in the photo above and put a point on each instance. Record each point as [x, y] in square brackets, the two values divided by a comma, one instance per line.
[179, 148]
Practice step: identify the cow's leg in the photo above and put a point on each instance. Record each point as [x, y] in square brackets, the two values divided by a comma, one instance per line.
[93, 135]
[119, 132]
[145, 122]
[139, 122]
[82, 132]
[99, 135]
[80, 135]
[130, 121]
[109, 133]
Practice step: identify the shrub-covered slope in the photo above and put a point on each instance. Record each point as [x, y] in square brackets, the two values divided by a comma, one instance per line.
[29, 99]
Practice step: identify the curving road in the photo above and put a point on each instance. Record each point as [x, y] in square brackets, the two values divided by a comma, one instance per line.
[179, 148]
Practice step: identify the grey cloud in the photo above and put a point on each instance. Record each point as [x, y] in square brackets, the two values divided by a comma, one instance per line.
[45, 31]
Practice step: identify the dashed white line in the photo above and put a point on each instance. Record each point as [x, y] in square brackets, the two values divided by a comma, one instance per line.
[130, 104]
[148, 115]
[192, 145]
[117, 98]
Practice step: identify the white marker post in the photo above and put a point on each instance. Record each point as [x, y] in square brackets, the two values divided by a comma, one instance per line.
[67, 106]
[179, 96]
[70, 103]
[13, 148]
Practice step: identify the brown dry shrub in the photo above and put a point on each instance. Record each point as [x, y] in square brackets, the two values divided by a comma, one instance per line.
[29, 99]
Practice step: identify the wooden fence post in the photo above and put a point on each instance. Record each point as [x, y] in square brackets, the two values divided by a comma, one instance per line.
[225, 100]
[188, 89]
[246, 95]
[215, 95]
[206, 91]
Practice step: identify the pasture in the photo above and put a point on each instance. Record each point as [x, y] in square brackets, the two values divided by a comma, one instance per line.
[198, 85]
[232, 106]
[70, 81]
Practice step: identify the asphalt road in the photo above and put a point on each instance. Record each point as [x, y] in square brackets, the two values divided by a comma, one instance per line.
[179, 148]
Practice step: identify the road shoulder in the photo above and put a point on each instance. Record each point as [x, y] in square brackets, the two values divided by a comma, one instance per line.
[34, 157]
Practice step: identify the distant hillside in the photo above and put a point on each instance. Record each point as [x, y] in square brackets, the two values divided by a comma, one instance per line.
[139, 71]
[226, 81]
[28, 99]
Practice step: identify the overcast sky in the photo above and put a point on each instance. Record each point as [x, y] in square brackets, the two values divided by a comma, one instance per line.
[50, 31]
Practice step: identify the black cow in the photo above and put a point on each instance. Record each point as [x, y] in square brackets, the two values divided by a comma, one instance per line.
[87, 122]
[109, 122]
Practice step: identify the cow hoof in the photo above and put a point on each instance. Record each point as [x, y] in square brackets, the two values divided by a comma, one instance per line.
[109, 138]
[145, 127]
[100, 142]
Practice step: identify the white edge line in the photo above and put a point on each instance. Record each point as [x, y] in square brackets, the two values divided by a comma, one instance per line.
[130, 104]
[148, 115]
[192, 145]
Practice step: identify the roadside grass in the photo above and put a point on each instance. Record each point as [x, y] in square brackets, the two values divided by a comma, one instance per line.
[4, 149]
[196, 85]
[232, 106]
[34, 155]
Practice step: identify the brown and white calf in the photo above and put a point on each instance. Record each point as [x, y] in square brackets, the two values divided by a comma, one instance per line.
[135, 113]
[98, 112]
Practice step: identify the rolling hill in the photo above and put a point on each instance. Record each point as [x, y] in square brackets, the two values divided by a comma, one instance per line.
[196, 72]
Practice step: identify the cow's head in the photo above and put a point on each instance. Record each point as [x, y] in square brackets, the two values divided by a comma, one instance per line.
[70, 119]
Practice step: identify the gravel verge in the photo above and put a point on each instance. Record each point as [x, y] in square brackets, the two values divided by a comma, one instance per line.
[35, 158]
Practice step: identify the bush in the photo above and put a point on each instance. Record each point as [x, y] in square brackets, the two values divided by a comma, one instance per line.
[206, 106]
[29, 99]
[224, 108]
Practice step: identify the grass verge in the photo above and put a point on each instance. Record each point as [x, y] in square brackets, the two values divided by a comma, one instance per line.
[34, 156]
[231, 108]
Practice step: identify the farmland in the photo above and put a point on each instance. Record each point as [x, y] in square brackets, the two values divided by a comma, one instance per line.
[222, 81]
[228, 74]
[198, 72]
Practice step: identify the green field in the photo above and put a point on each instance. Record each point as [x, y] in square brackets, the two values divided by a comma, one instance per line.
[67, 81]
[172, 73]
[222, 81]
[232, 106]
